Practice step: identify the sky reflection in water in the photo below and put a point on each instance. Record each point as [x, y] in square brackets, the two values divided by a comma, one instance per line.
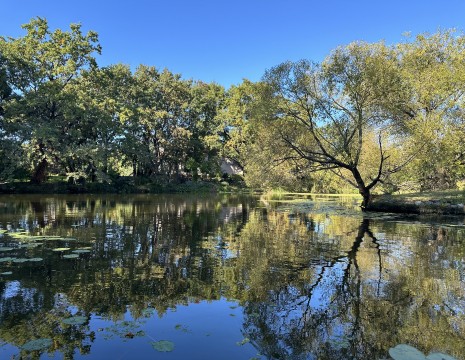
[235, 277]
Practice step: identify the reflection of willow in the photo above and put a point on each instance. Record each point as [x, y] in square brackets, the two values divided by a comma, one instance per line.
[356, 304]
[324, 318]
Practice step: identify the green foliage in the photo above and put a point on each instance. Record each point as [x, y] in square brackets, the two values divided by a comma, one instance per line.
[39, 68]
[375, 117]
[331, 117]
[433, 71]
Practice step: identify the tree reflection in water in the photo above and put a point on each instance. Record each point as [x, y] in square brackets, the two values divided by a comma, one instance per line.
[312, 285]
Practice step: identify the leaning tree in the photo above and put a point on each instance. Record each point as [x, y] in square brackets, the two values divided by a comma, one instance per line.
[340, 110]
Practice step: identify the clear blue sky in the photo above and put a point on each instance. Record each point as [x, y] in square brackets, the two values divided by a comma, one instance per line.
[228, 40]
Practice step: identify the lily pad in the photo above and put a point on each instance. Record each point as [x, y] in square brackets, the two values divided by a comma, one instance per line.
[36, 259]
[37, 344]
[30, 245]
[81, 251]
[71, 256]
[181, 328]
[75, 320]
[163, 345]
[439, 356]
[6, 259]
[20, 260]
[6, 248]
[406, 352]
[61, 249]
[6, 273]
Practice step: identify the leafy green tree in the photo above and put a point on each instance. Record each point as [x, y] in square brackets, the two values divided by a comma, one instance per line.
[235, 122]
[155, 131]
[39, 68]
[169, 128]
[336, 108]
[206, 102]
[103, 105]
[433, 71]
[10, 148]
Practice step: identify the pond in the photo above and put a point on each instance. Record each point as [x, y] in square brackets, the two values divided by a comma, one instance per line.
[226, 276]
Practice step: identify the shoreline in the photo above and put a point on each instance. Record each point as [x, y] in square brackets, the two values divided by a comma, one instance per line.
[440, 203]
[125, 187]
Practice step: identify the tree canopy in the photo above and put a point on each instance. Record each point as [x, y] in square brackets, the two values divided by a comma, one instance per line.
[371, 116]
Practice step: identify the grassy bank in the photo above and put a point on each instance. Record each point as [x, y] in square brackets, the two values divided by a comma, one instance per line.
[437, 202]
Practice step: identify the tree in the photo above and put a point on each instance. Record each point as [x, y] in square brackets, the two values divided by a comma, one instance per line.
[39, 68]
[104, 102]
[10, 147]
[155, 130]
[433, 71]
[336, 108]
[204, 149]
[235, 119]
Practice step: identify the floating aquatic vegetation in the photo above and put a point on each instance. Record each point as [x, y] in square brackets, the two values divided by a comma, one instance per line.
[163, 345]
[407, 352]
[3, 231]
[37, 345]
[6, 273]
[439, 356]
[404, 352]
[6, 249]
[123, 328]
[81, 251]
[33, 238]
[61, 249]
[20, 260]
[75, 320]
[71, 256]
[30, 245]
[182, 328]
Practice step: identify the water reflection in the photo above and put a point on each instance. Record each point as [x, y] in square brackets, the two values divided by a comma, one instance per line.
[317, 282]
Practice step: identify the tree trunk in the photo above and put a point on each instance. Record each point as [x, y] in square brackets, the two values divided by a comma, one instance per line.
[40, 173]
[366, 198]
[134, 167]
[362, 189]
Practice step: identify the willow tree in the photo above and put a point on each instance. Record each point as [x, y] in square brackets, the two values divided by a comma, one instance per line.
[338, 108]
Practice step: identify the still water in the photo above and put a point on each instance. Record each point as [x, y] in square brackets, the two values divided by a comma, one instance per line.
[225, 277]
